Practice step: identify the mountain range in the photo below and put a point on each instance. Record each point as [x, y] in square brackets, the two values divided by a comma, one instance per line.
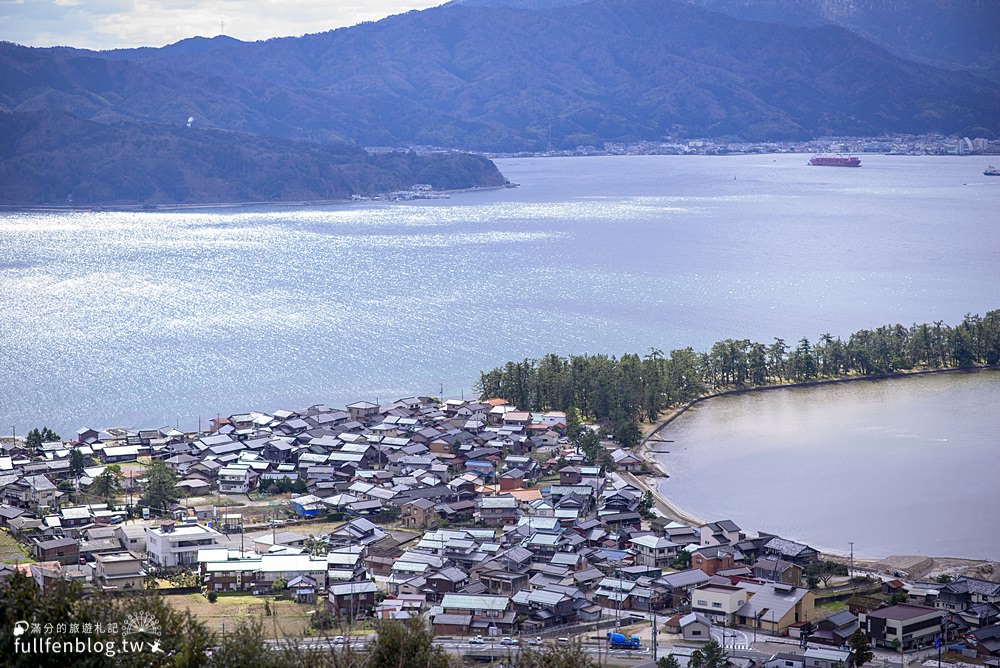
[477, 76]
[533, 75]
[952, 34]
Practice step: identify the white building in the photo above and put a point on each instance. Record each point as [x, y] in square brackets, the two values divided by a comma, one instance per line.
[234, 480]
[654, 551]
[723, 532]
[170, 545]
[550, 419]
[718, 602]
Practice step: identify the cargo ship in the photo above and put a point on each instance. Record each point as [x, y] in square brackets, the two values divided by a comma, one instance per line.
[834, 161]
[991, 171]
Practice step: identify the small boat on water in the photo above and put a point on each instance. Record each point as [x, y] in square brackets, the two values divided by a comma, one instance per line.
[991, 171]
[835, 161]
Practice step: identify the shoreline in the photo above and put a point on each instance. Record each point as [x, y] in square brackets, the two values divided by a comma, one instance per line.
[169, 207]
[928, 564]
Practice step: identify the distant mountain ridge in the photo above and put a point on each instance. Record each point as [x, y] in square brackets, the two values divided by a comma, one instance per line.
[500, 78]
[953, 34]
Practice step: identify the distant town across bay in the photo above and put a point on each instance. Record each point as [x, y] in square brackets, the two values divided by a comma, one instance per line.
[895, 144]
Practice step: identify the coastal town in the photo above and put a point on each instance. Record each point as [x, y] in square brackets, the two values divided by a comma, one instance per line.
[495, 525]
[888, 144]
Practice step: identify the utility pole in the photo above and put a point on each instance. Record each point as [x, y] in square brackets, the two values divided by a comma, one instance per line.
[618, 596]
[942, 637]
[850, 575]
[654, 635]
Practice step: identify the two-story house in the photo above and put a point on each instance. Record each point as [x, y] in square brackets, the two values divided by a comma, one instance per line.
[418, 513]
[119, 571]
[233, 480]
[464, 614]
[906, 626]
[497, 510]
[544, 607]
[64, 550]
[363, 410]
[352, 599]
[33, 492]
[723, 532]
[964, 592]
[170, 545]
[678, 586]
[505, 583]
[712, 559]
[718, 602]
[774, 606]
[654, 551]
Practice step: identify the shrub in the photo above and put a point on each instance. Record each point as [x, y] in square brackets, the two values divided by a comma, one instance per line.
[323, 619]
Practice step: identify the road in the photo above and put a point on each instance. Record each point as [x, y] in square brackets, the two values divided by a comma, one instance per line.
[465, 646]
[734, 638]
[662, 504]
[738, 643]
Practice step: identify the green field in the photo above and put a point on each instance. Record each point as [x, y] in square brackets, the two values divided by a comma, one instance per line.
[11, 552]
[827, 609]
[287, 619]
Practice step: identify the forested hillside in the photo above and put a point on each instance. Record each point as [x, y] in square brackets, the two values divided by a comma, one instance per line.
[953, 34]
[55, 158]
[517, 78]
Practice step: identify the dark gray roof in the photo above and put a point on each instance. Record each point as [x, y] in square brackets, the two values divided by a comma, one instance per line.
[787, 547]
[57, 542]
[842, 618]
[451, 573]
[9, 512]
[453, 620]
[963, 584]
[588, 575]
[687, 578]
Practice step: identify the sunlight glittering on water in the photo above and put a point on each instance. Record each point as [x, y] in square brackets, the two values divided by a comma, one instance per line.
[143, 318]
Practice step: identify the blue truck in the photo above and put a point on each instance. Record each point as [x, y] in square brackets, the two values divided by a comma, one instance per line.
[621, 641]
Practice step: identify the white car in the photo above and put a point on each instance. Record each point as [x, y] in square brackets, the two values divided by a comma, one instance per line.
[507, 640]
[537, 641]
[340, 640]
[478, 640]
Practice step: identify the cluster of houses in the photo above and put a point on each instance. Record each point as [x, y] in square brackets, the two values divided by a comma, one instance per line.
[475, 515]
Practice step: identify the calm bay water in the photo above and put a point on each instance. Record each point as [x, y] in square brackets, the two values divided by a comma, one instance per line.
[902, 466]
[146, 319]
